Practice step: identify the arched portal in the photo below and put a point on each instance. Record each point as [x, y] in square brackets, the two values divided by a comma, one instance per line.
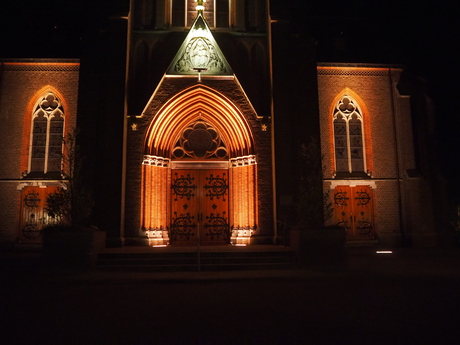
[199, 172]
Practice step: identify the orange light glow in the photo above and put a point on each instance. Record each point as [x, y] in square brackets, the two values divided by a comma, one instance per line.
[354, 68]
[41, 63]
[154, 208]
[199, 103]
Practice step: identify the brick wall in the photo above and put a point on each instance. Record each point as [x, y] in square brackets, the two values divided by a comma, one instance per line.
[403, 205]
[372, 89]
[9, 213]
[386, 205]
[20, 82]
[372, 86]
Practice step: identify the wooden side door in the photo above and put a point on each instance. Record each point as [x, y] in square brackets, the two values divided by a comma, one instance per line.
[343, 208]
[33, 215]
[363, 213]
[354, 211]
[199, 206]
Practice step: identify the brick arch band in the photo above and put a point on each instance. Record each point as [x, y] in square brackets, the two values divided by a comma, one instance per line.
[187, 107]
[199, 103]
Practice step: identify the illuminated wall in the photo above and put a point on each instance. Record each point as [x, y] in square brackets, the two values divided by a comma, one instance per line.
[371, 91]
[40, 89]
[388, 178]
[244, 215]
[155, 203]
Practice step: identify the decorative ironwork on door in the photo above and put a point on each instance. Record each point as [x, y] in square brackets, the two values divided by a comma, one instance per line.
[200, 206]
[216, 187]
[183, 187]
[354, 211]
[183, 226]
[216, 226]
[33, 215]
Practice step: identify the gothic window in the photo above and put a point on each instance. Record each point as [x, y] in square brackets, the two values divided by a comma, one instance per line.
[348, 136]
[47, 133]
[200, 140]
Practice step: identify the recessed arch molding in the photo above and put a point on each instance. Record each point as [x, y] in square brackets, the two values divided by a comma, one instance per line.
[199, 103]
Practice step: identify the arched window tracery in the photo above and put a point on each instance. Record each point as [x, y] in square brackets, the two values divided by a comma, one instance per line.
[349, 144]
[46, 135]
[200, 140]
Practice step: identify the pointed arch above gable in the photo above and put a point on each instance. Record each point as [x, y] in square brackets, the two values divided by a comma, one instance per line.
[199, 103]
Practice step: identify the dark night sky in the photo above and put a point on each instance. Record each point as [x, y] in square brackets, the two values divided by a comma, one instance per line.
[421, 35]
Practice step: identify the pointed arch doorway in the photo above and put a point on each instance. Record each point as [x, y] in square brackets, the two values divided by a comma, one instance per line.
[199, 172]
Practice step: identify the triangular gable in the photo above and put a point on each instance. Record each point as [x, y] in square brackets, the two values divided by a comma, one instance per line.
[199, 53]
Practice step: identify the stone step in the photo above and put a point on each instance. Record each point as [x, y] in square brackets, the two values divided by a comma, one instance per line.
[194, 267]
[286, 253]
[208, 261]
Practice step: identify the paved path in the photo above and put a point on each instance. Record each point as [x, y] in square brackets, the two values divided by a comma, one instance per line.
[408, 297]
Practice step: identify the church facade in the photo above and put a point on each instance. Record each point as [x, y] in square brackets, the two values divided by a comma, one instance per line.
[201, 121]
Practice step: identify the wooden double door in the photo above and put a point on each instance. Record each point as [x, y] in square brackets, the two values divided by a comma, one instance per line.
[354, 211]
[199, 210]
